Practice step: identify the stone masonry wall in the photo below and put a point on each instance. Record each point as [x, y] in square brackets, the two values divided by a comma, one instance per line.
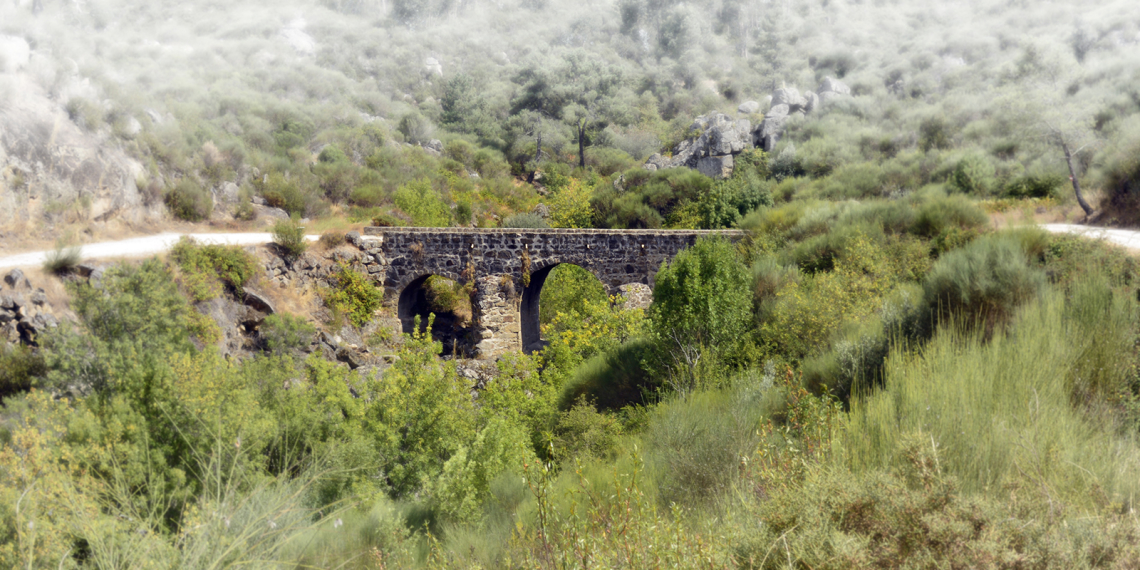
[495, 260]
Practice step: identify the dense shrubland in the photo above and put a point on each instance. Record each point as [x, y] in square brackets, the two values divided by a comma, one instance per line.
[872, 377]
[856, 384]
[317, 104]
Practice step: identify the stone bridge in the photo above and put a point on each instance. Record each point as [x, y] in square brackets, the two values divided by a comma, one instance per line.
[504, 302]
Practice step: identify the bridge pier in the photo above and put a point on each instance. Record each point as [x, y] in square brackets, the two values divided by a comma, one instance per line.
[495, 308]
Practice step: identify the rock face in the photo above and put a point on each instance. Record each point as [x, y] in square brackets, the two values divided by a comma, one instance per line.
[832, 89]
[768, 133]
[24, 312]
[748, 108]
[786, 102]
[47, 159]
[713, 140]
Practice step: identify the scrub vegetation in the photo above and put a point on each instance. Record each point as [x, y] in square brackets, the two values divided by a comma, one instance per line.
[873, 376]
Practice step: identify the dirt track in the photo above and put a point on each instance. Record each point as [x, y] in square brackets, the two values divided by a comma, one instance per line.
[139, 247]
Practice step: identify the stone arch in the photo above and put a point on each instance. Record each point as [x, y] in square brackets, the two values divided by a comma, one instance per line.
[530, 325]
[413, 302]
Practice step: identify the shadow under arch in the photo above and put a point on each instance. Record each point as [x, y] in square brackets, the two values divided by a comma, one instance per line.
[530, 319]
[448, 328]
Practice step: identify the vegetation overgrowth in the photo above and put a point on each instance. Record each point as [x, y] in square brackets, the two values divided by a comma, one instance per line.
[874, 376]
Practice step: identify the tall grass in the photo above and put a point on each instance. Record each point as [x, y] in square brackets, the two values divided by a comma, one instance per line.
[1000, 412]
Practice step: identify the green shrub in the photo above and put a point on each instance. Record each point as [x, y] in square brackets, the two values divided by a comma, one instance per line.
[973, 175]
[1121, 182]
[942, 214]
[284, 333]
[354, 295]
[330, 240]
[289, 235]
[701, 308]
[21, 367]
[189, 201]
[1000, 412]
[368, 195]
[289, 194]
[1030, 186]
[387, 221]
[423, 203]
[982, 283]
[582, 432]
[698, 442]
[204, 267]
[525, 220]
[613, 379]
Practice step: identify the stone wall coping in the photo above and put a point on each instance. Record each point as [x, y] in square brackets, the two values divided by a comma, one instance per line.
[380, 231]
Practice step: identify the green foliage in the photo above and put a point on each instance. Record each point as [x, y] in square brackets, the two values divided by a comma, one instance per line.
[973, 175]
[701, 305]
[354, 295]
[582, 432]
[285, 333]
[423, 203]
[1030, 186]
[20, 369]
[568, 289]
[525, 220]
[464, 484]
[942, 215]
[206, 267]
[289, 236]
[982, 283]
[747, 189]
[968, 399]
[288, 193]
[649, 200]
[613, 379]
[189, 201]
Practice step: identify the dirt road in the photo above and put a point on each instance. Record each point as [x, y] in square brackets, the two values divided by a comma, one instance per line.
[140, 247]
[1127, 238]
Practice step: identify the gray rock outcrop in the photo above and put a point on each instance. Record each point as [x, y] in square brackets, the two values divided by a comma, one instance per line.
[832, 89]
[47, 158]
[768, 133]
[713, 141]
[748, 108]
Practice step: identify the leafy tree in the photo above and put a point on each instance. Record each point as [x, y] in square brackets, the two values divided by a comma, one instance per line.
[423, 203]
[702, 306]
[582, 90]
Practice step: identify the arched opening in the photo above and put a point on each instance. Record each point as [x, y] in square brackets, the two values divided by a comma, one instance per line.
[557, 288]
[450, 302]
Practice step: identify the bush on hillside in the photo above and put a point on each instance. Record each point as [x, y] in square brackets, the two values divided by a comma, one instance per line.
[289, 235]
[613, 379]
[525, 220]
[982, 283]
[284, 333]
[206, 267]
[189, 201]
[354, 296]
[945, 214]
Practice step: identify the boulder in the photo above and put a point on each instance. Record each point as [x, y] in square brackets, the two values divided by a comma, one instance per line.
[832, 85]
[812, 102]
[716, 166]
[768, 133]
[39, 297]
[713, 135]
[748, 108]
[791, 97]
[258, 301]
[14, 277]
